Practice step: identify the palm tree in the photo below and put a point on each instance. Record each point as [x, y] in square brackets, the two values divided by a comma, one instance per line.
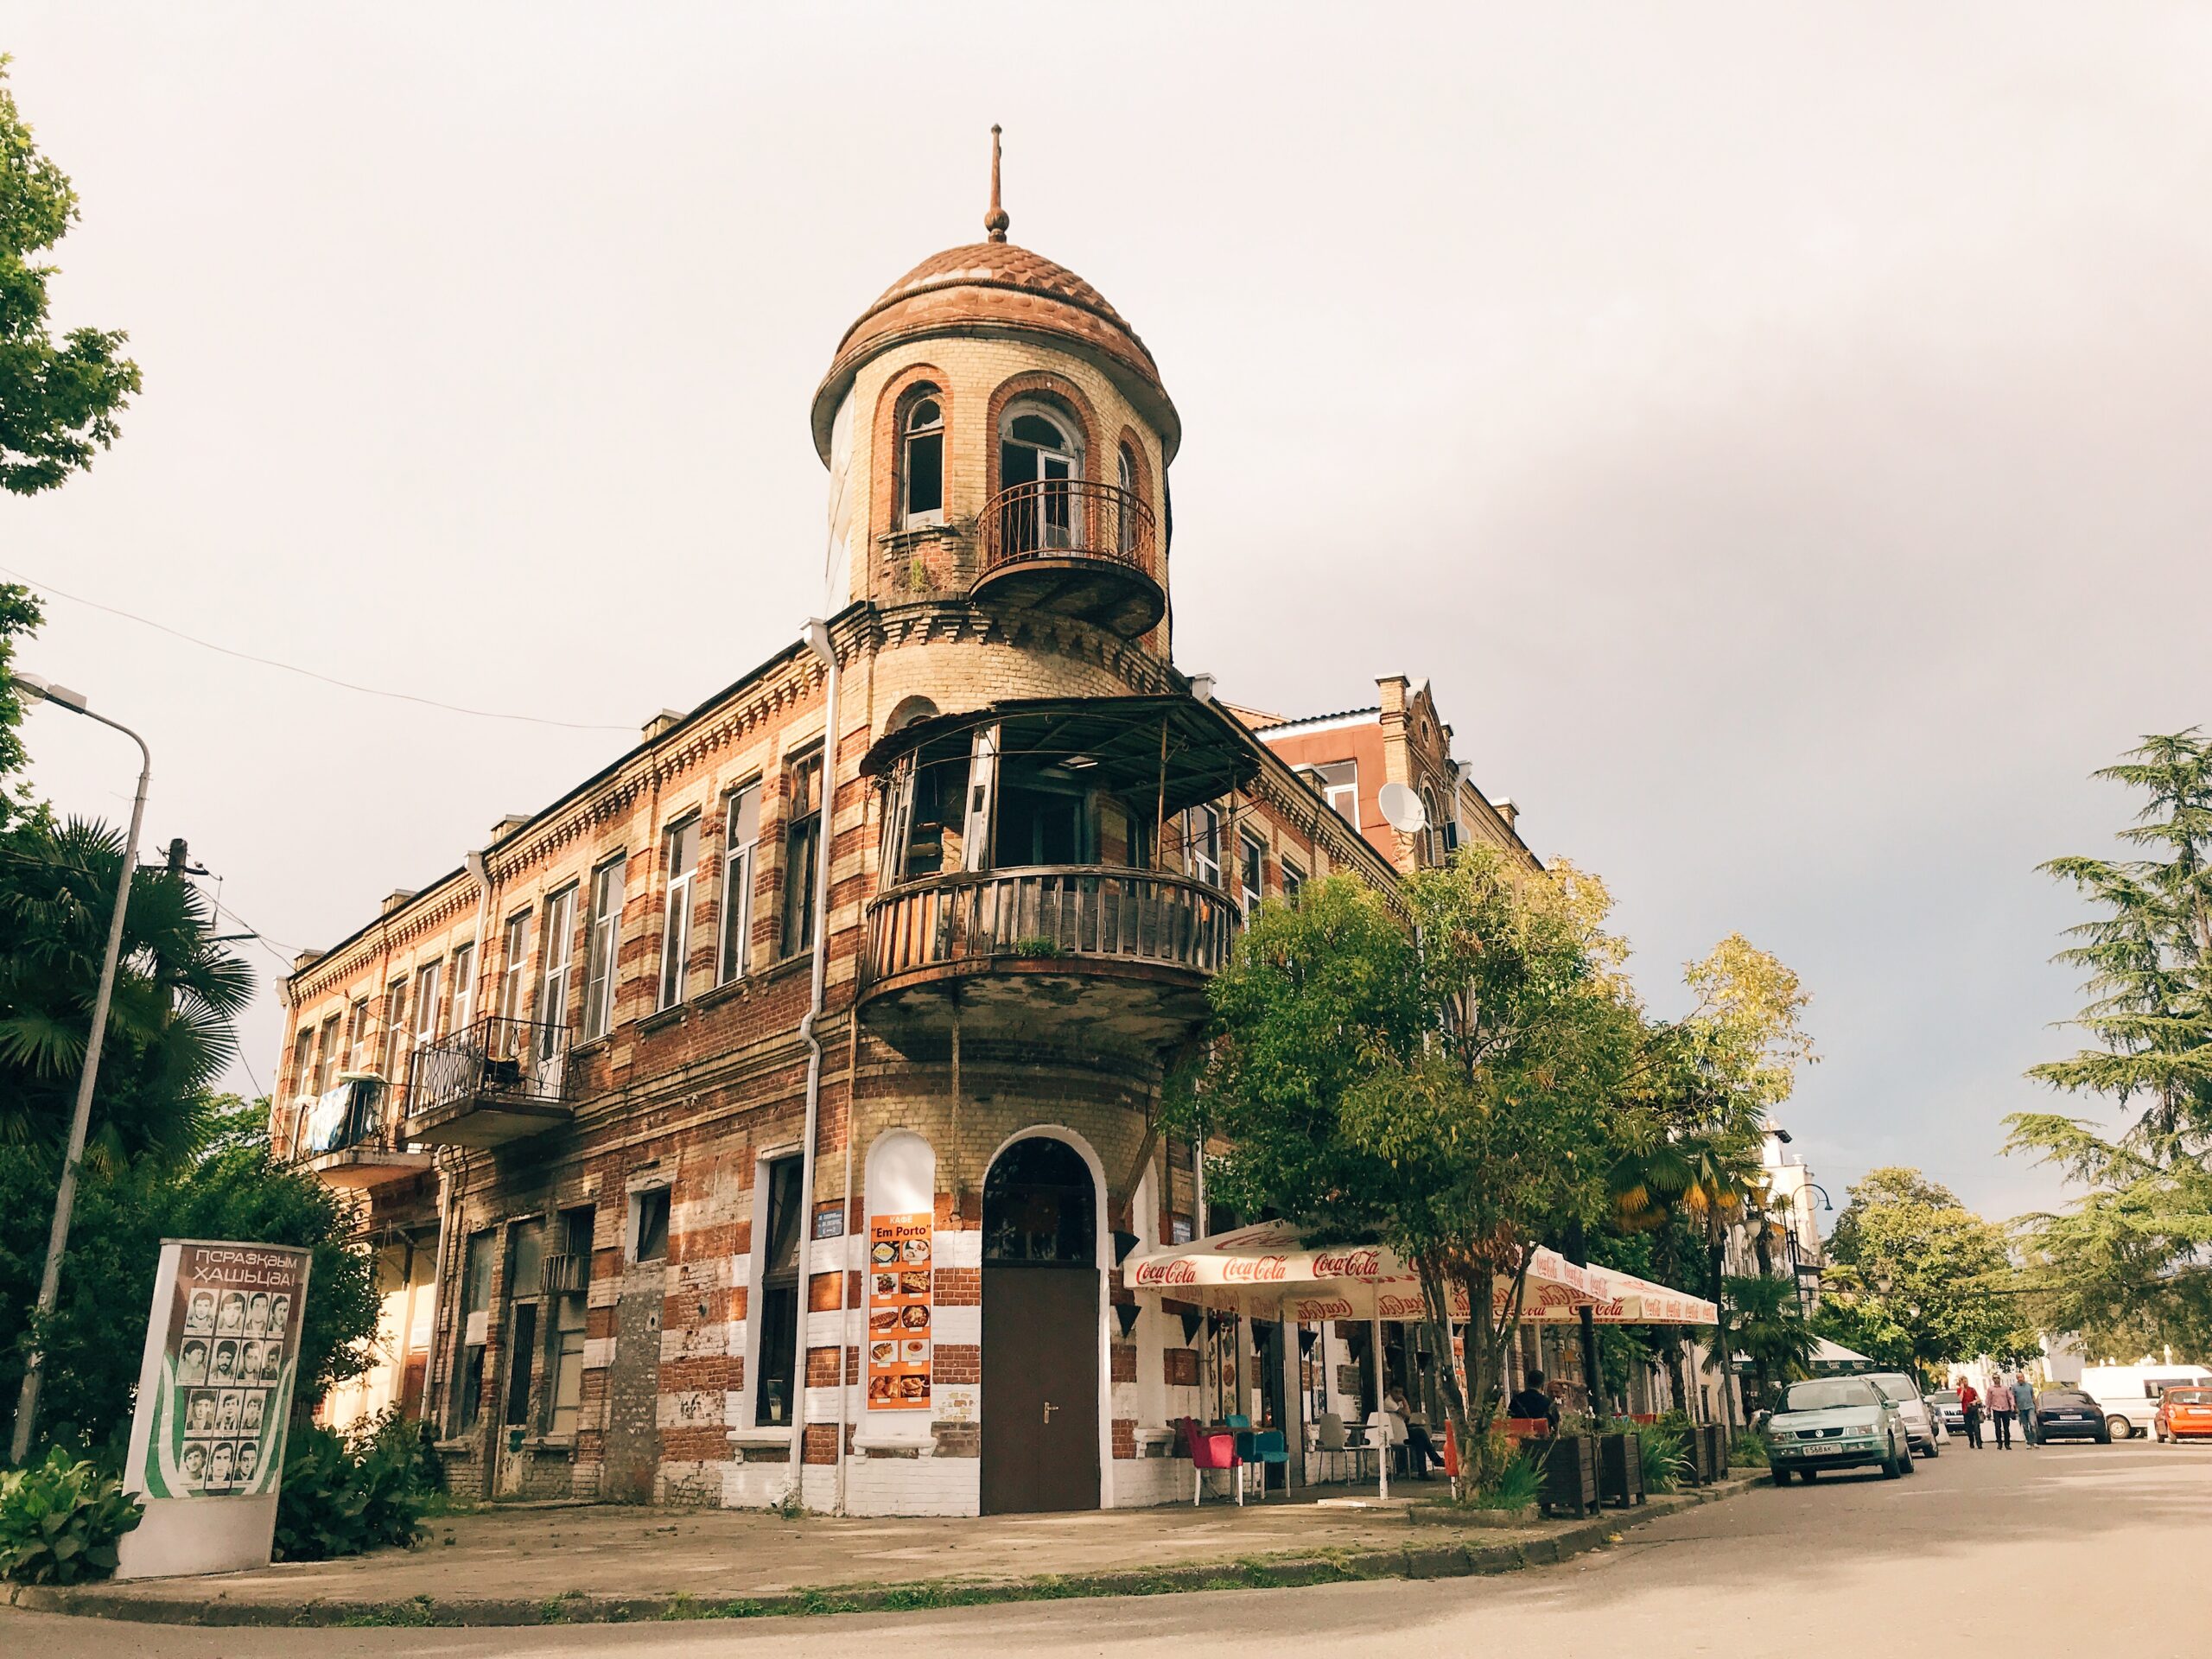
[1709, 1181]
[1767, 1327]
[171, 1024]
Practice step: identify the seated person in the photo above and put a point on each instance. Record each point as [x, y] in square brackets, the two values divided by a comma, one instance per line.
[1421, 1450]
[1533, 1401]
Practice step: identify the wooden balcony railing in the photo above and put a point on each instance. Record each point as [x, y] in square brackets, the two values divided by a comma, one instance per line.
[1068, 518]
[1081, 913]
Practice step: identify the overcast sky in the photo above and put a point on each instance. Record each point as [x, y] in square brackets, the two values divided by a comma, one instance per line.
[1779, 433]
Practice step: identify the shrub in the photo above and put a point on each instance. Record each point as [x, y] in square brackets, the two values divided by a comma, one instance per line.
[1517, 1486]
[60, 1520]
[342, 1499]
[1749, 1448]
[1665, 1456]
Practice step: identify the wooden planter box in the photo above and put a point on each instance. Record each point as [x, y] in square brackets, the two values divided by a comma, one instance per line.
[1708, 1453]
[1569, 1463]
[1620, 1469]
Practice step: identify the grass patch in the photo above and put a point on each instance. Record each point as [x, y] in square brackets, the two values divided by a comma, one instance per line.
[415, 1614]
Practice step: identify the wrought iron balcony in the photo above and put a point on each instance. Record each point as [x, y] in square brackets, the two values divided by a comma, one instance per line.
[346, 1137]
[1081, 956]
[1075, 547]
[497, 1081]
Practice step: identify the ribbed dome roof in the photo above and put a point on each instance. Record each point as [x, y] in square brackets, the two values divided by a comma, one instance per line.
[994, 286]
[998, 264]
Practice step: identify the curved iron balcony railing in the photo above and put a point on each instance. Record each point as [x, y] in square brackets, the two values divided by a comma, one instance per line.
[496, 1079]
[1074, 546]
[1081, 913]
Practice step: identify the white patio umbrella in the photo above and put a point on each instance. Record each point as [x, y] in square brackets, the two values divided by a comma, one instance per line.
[1271, 1269]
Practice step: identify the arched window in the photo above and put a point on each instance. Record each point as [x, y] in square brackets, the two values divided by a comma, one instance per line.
[1039, 1207]
[921, 464]
[1434, 834]
[1039, 460]
[1126, 509]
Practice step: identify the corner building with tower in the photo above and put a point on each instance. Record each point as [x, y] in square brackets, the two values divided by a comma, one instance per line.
[775, 1106]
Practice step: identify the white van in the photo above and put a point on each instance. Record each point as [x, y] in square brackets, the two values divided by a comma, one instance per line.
[2129, 1394]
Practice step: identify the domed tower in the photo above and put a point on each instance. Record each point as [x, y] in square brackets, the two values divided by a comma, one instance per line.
[996, 432]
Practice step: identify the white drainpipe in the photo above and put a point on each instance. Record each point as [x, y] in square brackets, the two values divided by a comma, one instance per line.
[816, 634]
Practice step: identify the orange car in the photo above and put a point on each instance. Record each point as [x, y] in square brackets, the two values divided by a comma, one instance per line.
[2183, 1414]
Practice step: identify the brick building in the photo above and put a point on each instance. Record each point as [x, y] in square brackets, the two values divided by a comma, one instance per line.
[781, 1099]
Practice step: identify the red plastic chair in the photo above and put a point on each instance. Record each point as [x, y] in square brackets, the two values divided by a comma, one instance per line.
[1213, 1448]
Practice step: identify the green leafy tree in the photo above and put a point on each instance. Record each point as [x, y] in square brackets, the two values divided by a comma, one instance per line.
[2127, 1267]
[230, 1189]
[1703, 1090]
[170, 1027]
[1918, 1279]
[1444, 1087]
[19, 619]
[59, 400]
[2149, 955]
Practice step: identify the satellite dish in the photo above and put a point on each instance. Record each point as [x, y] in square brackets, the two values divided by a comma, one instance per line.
[1401, 809]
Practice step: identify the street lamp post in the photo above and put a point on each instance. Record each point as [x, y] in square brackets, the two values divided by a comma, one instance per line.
[64, 1199]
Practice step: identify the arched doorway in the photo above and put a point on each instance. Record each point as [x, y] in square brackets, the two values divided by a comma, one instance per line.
[1041, 1331]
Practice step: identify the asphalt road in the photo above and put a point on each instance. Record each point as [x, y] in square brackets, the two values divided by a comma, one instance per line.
[2060, 1550]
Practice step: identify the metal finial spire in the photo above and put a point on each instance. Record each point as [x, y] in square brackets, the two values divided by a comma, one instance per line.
[995, 221]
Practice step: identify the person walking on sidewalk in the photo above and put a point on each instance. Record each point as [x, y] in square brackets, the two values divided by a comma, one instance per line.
[2000, 1412]
[1970, 1407]
[2024, 1402]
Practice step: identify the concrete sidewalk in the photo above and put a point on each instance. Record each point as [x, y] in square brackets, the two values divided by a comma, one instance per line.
[591, 1563]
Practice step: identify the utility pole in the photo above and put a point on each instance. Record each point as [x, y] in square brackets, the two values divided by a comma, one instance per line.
[65, 1198]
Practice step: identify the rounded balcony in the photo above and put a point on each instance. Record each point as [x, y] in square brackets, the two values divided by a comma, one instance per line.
[1072, 547]
[1042, 886]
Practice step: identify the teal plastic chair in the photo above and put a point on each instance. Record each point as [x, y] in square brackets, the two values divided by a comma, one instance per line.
[1266, 1446]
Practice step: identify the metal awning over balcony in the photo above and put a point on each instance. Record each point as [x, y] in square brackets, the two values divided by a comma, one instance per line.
[498, 1081]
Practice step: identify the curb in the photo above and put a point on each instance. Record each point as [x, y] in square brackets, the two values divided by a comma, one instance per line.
[1424, 1560]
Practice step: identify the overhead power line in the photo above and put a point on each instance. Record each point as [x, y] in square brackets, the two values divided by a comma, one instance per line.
[306, 673]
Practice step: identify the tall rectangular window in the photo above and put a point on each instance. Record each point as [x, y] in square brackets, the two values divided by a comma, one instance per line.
[741, 837]
[1202, 835]
[557, 956]
[426, 1003]
[303, 1060]
[393, 1061]
[525, 1283]
[602, 956]
[776, 1209]
[802, 849]
[475, 1311]
[680, 868]
[1251, 861]
[564, 1343]
[356, 1033]
[514, 954]
[1292, 879]
[326, 1055]
[464, 986]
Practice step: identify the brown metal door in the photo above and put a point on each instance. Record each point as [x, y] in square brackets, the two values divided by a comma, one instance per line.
[1040, 1390]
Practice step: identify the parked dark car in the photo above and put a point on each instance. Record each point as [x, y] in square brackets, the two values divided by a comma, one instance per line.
[1944, 1403]
[2070, 1414]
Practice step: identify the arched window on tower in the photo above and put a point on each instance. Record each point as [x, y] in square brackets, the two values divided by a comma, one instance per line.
[1039, 462]
[921, 464]
[1127, 509]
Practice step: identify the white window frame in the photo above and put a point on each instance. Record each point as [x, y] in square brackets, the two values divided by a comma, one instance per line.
[464, 984]
[1125, 474]
[428, 979]
[908, 518]
[1292, 879]
[741, 864]
[1202, 843]
[1248, 845]
[395, 1028]
[676, 912]
[514, 945]
[557, 955]
[603, 953]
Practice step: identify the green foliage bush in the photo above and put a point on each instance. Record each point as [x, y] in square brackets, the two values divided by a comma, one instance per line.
[1516, 1487]
[59, 1520]
[342, 1497]
[1749, 1448]
[1665, 1452]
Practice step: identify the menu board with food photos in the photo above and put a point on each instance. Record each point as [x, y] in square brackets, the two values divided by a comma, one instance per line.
[899, 1312]
[229, 1338]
